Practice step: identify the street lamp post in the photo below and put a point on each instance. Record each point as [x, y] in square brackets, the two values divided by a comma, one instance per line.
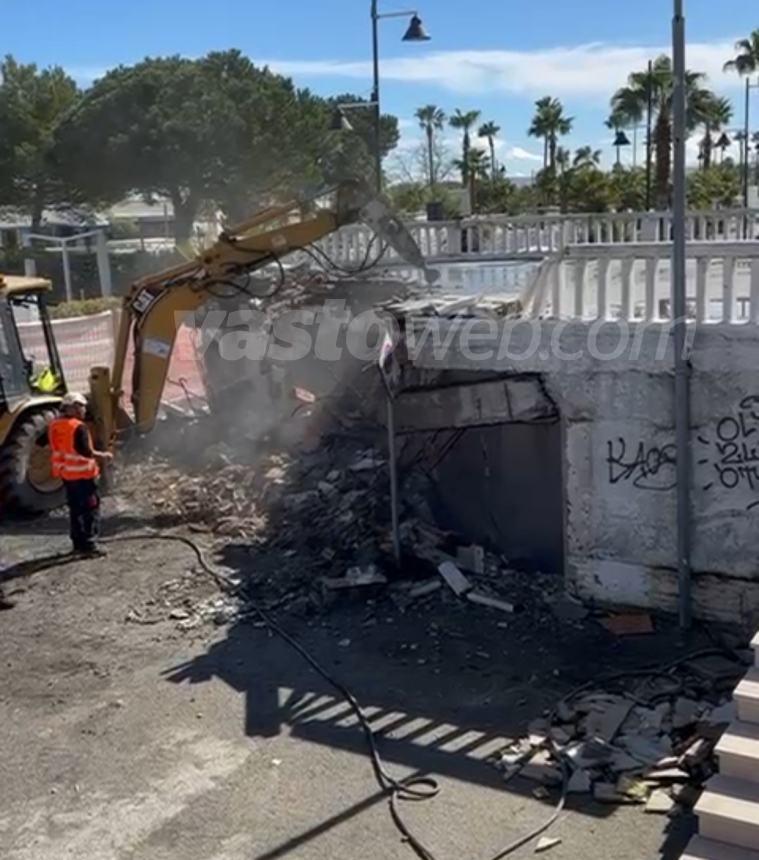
[746, 144]
[679, 310]
[414, 33]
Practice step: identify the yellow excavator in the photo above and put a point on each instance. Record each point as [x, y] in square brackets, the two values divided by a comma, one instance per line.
[152, 313]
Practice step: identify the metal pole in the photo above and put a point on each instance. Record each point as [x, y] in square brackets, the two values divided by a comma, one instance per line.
[393, 479]
[66, 269]
[746, 158]
[649, 123]
[682, 380]
[376, 97]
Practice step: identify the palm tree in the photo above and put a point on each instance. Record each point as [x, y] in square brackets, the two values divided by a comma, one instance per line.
[586, 156]
[464, 121]
[747, 60]
[718, 113]
[431, 119]
[474, 168]
[661, 84]
[550, 123]
[490, 130]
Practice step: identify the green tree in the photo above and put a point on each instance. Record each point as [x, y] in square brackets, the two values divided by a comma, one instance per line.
[719, 185]
[718, 111]
[746, 61]
[550, 123]
[661, 85]
[350, 153]
[464, 121]
[586, 156]
[431, 120]
[216, 130]
[32, 104]
[490, 131]
[475, 169]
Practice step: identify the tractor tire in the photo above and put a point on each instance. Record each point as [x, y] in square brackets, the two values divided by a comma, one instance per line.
[26, 485]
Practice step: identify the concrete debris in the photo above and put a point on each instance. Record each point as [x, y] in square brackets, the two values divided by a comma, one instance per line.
[471, 558]
[686, 712]
[660, 803]
[606, 792]
[722, 715]
[425, 589]
[546, 843]
[579, 783]
[490, 602]
[541, 768]
[605, 721]
[356, 577]
[568, 610]
[455, 579]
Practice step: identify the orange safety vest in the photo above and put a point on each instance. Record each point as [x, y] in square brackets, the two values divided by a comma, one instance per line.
[65, 461]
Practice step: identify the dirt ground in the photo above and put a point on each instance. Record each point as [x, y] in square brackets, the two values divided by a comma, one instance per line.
[126, 736]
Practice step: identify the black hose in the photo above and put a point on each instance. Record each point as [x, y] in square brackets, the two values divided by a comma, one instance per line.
[413, 788]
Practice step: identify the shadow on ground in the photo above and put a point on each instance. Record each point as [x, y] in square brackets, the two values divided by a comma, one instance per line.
[445, 685]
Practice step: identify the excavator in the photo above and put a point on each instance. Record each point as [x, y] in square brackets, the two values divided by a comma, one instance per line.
[152, 312]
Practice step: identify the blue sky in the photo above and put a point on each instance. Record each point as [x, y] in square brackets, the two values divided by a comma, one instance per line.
[497, 56]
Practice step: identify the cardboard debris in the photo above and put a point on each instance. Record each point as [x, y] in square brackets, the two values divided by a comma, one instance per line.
[632, 624]
[455, 579]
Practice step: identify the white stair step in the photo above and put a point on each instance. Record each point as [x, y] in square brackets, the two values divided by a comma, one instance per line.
[747, 697]
[706, 849]
[755, 646]
[728, 811]
[738, 751]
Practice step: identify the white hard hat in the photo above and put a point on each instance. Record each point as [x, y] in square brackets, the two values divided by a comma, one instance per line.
[74, 398]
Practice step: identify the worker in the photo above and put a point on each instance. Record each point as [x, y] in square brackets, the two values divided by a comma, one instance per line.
[75, 461]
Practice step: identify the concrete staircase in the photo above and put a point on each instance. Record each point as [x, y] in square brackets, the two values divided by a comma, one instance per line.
[728, 811]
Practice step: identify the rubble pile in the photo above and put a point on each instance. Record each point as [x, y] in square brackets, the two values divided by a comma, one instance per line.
[652, 743]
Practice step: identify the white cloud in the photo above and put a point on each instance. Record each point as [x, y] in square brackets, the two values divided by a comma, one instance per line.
[519, 154]
[591, 70]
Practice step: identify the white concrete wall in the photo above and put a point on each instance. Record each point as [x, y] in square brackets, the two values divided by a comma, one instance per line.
[619, 459]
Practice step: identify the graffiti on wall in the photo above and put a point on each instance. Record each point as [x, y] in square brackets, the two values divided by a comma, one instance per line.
[726, 459]
[645, 466]
[731, 455]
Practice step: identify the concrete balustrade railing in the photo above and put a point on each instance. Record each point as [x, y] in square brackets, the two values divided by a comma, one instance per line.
[633, 282]
[536, 236]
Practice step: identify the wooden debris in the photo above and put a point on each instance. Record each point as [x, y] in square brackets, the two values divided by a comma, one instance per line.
[632, 624]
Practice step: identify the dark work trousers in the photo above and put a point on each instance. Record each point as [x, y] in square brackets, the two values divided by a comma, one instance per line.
[84, 512]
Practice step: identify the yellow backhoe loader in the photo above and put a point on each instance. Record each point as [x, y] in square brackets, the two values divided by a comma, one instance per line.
[152, 313]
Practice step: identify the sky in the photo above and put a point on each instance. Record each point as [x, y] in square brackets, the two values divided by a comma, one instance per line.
[496, 56]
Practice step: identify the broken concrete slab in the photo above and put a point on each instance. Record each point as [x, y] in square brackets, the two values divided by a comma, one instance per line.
[579, 783]
[568, 610]
[455, 579]
[471, 558]
[686, 712]
[490, 602]
[660, 803]
[605, 720]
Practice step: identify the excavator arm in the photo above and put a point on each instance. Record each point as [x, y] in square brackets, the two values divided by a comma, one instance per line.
[157, 305]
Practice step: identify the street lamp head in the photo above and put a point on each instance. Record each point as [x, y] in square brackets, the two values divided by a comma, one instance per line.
[416, 31]
[621, 139]
[339, 121]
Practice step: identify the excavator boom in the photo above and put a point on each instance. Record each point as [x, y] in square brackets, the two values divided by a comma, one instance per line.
[156, 306]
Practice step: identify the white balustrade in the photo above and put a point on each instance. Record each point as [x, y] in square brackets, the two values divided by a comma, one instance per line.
[632, 281]
[504, 237]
